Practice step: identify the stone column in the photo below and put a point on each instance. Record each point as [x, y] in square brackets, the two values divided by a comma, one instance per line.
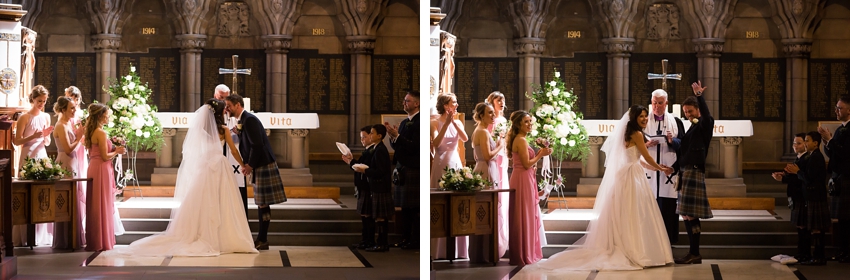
[105, 46]
[177, 153]
[277, 47]
[796, 92]
[164, 159]
[593, 160]
[730, 156]
[529, 50]
[708, 70]
[191, 46]
[361, 48]
[297, 150]
[619, 50]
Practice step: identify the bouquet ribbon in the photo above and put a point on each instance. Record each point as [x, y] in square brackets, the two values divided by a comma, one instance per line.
[120, 169]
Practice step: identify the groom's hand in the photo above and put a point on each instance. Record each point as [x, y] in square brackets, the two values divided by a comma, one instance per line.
[246, 169]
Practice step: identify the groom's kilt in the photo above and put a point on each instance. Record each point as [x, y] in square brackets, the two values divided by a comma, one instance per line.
[407, 195]
[268, 187]
[693, 200]
[840, 207]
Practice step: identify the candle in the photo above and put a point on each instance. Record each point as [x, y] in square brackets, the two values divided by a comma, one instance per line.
[247, 102]
[677, 110]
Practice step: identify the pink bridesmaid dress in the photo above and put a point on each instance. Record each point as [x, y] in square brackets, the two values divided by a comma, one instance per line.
[73, 163]
[524, 238]
[34, 149]
[100, 198]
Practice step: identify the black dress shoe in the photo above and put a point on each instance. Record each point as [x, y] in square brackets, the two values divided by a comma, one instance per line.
[844, 259]
[261, 245]
[365, 245]
[410, 246]
[690, 259]
[814, 261]
[401, 244]
[802, 258]
[378, 248]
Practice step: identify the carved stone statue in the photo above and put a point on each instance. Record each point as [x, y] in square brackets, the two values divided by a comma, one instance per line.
[233, 19]
[447, 61]
[27, 65]
[663, 22]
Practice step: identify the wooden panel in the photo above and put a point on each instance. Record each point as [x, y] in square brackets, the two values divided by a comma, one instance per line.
[483, 213]
[42, 208]
[62, 202]
[463, 222]
[439, 218]
[20, 204]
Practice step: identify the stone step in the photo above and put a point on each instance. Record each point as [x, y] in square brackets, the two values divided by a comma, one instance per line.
[345, 187]
[277, 214]
[332, 226]
[718, 252]
[707, 226]
[717, 203]
[316, 191]
[706, 238]
[282, 239]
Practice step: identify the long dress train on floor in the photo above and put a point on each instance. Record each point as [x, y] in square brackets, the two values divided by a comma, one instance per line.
[210, 219]
[446, 155]
[627, 233]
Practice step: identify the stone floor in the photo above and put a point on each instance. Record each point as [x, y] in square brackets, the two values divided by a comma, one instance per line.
[296, 263]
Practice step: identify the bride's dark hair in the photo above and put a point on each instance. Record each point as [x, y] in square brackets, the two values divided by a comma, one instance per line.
[632, 125]
[218, 113]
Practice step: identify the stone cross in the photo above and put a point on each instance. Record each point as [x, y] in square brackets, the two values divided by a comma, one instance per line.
[664, 76]
[236, 71]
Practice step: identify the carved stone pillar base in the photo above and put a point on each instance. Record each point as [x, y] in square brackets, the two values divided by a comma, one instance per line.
[595, 158]
[297, 150]
[730, 156]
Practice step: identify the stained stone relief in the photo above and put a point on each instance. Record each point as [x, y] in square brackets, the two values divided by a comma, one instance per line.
[708, 5]
[663, 22]
[233, 19]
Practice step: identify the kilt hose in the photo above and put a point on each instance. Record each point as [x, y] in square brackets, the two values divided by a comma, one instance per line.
[693, 200]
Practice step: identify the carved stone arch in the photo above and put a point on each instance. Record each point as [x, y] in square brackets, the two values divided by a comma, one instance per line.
[107, 16]
[531, 17]
[361, 17]
[153, 16]
[617, 17]
[453, 10]
[190, 16]
[62, 21]
[708, 18]
[797, 19]
[574, 29]
[276, 17]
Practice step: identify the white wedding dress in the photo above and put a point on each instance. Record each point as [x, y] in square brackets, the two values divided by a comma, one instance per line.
[210, 219]
[627, 232]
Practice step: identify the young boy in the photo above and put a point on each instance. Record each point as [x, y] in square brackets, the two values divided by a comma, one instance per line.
[379, 175]
[364, 197]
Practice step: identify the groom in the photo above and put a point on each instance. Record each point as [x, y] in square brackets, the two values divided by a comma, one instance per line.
[258, 160]
[693, 200]
[666, 132]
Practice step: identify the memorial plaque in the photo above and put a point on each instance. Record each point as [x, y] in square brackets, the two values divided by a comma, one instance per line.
[476, 77]
[251, 86]
[751, 88]
[57, 71]
[641, 64]
[827, 82]
[318, 83]
[160, 70]
[586, 74]
[392, 75]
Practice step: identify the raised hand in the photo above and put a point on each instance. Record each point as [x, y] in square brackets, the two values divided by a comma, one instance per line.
[47, 131]
[698, 88]
[825, 133]
[392, 130]
[792, 168]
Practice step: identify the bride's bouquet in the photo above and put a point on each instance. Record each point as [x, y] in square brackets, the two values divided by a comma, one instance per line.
[463, 179]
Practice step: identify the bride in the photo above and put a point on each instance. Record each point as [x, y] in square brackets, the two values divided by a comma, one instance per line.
[210, 219]
[627, 232]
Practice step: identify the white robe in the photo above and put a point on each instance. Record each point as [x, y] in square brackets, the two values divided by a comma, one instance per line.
[668, 155]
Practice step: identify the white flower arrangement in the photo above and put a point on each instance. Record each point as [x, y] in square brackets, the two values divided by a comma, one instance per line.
[555, 120]
[131, 114]
[42, 169]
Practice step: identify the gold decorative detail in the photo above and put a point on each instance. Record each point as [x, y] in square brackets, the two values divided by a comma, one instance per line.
[10, 37]
[8, 80]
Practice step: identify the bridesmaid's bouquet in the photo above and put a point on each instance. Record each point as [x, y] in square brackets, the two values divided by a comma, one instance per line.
[542, 142]
[42, 169]
[118, 140]
[500, 130]
[463, 179]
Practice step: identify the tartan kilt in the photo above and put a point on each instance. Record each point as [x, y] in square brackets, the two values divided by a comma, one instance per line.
[382, 205]
[364, 202]
[841, 204]
[693, 200]
[818, 215]
[800, 212]
[407, 195]
[268, 186]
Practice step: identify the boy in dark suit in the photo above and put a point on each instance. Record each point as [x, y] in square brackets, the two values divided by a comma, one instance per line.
[364, 197]
[379, 175]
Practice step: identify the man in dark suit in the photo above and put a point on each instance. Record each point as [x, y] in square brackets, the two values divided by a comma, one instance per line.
[259, 161]
[693, 200]
[837, 148]
[405, 141]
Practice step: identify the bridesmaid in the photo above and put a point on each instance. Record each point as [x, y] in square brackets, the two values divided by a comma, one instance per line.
[497, 100]
[485, 151]
[33, 135]
[446, 134]
[100, 224]
[81, 162]
[524, 238]
[66, 144]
